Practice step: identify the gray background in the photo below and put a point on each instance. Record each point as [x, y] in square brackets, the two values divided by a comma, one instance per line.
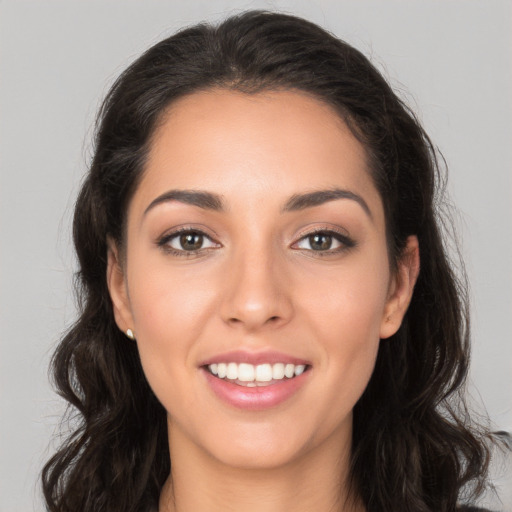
[451, 60]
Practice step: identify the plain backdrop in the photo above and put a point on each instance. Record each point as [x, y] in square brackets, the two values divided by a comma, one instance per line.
[451, 60]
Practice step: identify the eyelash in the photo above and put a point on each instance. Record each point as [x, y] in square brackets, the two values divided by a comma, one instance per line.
[346, 243]
[164, 242]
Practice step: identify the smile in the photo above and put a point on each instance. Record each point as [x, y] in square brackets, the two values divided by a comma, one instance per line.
[250, 375]
[255, 387]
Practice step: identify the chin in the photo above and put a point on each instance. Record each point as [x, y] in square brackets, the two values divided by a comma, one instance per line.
[255, 458]
[261, 446]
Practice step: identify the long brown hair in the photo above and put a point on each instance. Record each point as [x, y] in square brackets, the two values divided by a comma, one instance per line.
[413, 447]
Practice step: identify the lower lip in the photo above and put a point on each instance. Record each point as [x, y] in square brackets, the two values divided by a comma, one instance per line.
[255, 398]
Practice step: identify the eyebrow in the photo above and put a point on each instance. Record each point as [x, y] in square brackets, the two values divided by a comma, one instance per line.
[297, 202]
[316, 198]
[204, 200]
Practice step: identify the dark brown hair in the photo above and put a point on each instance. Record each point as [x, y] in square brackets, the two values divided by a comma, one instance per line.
[413, 448]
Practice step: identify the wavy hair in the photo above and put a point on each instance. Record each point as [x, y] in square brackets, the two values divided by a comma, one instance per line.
[413, 446]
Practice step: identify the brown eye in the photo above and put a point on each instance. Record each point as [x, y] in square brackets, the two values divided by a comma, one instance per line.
[320, 241]
[191, 241]
[329, 242]
[187, 241]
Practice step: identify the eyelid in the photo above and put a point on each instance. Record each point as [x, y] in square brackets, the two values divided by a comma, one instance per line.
[312, 229]
[184, 228]
[341, 235]
[163, 240]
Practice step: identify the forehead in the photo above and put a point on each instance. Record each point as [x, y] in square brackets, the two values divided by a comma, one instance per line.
[268, 145]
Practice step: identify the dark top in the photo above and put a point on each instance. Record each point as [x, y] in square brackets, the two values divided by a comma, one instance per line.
[462, 508]
[467, 508]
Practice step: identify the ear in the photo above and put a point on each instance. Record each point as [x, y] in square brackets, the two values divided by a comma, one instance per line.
[401, 288]
[116, 282]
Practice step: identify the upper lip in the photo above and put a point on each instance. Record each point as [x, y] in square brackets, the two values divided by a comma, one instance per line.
[255, 358]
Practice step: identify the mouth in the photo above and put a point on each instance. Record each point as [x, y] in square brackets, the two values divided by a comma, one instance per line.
[253, 376]
[255, 381]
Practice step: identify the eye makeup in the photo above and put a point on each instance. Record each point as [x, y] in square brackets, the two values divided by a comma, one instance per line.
[188, 241]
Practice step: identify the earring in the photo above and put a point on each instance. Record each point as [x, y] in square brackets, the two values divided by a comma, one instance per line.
[130, 334]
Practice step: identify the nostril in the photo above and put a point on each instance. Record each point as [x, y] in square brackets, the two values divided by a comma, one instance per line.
[273, 319]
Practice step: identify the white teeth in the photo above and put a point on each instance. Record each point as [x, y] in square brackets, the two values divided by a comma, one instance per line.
[232, 371]
[245, 372]
[299, 369]
[278, 371]
[254, 374]
[222, 370]
[289, 370]
[264, 372]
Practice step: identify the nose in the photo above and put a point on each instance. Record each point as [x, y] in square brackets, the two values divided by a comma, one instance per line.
[256, 294]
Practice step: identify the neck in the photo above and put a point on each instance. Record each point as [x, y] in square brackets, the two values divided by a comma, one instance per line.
[316, 481]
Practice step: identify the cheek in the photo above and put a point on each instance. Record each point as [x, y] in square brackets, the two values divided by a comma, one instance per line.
[167, 303]
[349, 302]
[169, 315]
[346, 321]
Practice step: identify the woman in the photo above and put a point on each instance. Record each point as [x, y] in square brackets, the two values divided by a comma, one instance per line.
[269, 320]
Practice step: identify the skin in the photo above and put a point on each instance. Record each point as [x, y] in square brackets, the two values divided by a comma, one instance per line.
[257, 284]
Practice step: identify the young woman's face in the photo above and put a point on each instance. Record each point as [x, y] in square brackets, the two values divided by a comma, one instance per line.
[256, 278]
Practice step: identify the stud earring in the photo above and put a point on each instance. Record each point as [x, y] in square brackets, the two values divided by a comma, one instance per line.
[130, 334]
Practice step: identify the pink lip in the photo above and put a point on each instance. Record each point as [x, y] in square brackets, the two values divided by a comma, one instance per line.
[257, 398]
[260, 397]
[241, 356]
